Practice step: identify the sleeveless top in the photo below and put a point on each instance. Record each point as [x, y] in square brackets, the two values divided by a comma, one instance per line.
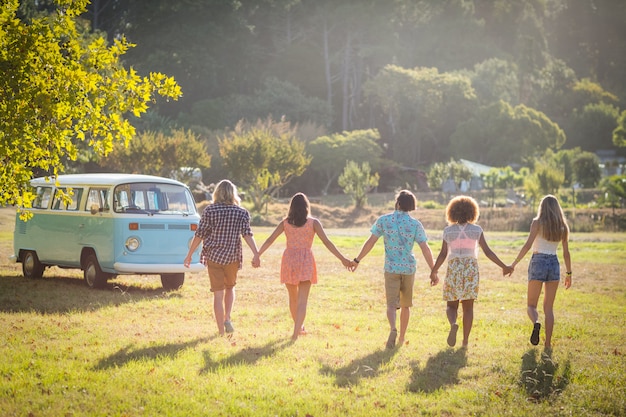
[298, 262]
[541, 245]
[462, 240]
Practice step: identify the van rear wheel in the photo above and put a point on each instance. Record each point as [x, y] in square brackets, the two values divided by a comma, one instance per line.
[94, 277]
[31, 267]
[172, 281]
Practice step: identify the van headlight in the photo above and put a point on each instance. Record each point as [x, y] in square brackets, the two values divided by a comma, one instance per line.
[132, 243]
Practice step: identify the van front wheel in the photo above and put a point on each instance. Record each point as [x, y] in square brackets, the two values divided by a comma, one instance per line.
[31, 267]
[172, 281]
[94, 277]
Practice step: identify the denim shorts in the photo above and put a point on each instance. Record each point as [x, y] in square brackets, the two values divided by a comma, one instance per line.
[544, 267]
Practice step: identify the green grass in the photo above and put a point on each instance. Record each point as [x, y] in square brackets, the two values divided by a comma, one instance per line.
[134, 350]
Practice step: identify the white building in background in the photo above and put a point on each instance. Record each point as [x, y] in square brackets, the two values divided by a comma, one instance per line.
[611, 163]
[476, 182]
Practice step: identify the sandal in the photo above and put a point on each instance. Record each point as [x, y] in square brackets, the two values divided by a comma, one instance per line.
[228, 326]
[391, 340]
[534, 337]
[452, 335]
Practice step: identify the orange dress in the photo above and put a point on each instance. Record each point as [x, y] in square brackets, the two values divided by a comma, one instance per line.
[298, 263]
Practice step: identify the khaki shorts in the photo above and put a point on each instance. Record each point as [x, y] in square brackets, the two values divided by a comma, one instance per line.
[222, 276]
[399, 289]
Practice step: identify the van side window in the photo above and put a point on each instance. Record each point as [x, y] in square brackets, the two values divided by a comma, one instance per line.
[97, 199]
[43, 197]
[58, 203]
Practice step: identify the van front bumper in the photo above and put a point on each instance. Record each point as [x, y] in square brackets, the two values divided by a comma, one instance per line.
[128, 268]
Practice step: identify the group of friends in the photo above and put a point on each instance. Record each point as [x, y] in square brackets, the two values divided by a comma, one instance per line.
[224, 222]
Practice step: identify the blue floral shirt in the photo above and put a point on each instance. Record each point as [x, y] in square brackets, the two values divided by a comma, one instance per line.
[400, 232]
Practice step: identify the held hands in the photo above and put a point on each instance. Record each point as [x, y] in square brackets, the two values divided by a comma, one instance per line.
[347, 263]
[508, 270]
[256, 261]
[434, 278]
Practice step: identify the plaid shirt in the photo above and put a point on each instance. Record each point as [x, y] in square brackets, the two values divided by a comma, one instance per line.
[221, 227]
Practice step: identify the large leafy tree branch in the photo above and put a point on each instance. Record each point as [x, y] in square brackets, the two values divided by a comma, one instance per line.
[59, 87]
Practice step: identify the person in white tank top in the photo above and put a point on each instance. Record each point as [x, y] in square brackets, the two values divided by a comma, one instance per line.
[547, 230]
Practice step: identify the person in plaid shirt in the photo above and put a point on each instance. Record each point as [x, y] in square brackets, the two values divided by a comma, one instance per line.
[400, 232]
[221, 227]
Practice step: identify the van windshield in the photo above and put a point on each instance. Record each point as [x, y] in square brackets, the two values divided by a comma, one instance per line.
[153, 198]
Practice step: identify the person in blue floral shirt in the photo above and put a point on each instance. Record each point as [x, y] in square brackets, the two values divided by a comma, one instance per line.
[400, 232]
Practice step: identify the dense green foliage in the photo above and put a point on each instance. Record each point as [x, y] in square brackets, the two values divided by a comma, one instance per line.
[58, 88]
[263, 157]
[499, 82]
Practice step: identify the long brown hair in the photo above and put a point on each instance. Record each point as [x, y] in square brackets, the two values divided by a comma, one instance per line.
[299, 210]
[552, 223]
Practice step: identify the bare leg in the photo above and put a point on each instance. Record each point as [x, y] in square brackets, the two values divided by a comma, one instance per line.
[468, 319]
[303, 297]
[405, 315]
[452, 311]
[218, 309]
[534, 290]
[292, 290]
[391, 317]
[229, 301]
[548, 310]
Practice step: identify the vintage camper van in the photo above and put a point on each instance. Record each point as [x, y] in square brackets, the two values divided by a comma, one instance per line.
[115, 224]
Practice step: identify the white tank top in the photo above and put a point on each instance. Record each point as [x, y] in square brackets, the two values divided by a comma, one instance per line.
[541, 245]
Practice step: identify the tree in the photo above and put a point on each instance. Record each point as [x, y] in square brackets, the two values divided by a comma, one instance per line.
[356, 181]
[500, 134]
[263, 157]
[157, 153]
[59, 87]
[587, 170]
[591, 128]
[619, 134]
[452, 170]
[329, 153]
[418, 105]
[545, 179]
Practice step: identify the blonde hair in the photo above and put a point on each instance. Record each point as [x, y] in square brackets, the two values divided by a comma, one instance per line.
[462, 209]
[552, 223]
[226, 193]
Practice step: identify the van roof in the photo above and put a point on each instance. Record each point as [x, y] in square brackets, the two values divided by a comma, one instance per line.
[101, 179]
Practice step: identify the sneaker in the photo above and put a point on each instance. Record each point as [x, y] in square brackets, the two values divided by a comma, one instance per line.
[228, 326]
[391, 340]
[452, 335]
[534, 337]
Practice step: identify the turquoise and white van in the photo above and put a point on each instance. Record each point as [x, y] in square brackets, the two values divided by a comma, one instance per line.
[115, 224]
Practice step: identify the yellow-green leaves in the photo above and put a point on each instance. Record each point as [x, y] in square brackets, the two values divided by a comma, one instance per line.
[58, 88]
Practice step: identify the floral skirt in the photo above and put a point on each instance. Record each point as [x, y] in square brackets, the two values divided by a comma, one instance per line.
[461, 281]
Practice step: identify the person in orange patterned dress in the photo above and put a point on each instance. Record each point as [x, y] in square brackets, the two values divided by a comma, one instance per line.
[298, 270]
[461, 240]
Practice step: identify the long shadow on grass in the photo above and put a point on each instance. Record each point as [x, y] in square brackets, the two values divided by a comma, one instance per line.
[247, 356]
[130, 353]
[440, 370]
[365, 367]
[543, 378]
[53, 295]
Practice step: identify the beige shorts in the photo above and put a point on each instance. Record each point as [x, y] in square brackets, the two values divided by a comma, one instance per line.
[222, 276]
[399, 289]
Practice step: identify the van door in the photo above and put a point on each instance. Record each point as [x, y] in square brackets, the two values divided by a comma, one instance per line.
[97, 231]
[64, 223]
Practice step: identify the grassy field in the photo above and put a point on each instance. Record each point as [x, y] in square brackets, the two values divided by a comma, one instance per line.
[135, 350]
